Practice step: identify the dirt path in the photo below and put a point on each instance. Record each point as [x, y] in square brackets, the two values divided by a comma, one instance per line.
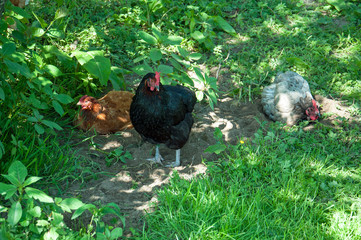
[134, 184]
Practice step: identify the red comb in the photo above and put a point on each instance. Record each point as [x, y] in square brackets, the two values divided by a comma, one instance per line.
[82, 98]
[157, 77]
[314, 103]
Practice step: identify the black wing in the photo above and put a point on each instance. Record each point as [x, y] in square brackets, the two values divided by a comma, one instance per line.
[164, 117]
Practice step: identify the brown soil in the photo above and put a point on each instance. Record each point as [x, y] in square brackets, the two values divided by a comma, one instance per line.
[134, 184]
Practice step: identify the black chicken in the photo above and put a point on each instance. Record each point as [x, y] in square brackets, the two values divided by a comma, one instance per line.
[162, 114]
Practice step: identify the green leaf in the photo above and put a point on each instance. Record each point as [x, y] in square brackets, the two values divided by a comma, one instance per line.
[142, 69]
[218, 135]
[195, 56]
[38, 194]
[2, 149]
[10, 193]
[148, 38]
[70, 204]
[32, 119]
[99, 67]
[192, 24]
[57, 218]
[21, 12]
[53, 70]
[58, 108]
[55, 33]
[12, 179]
[18, 69]
[165, 69]
[7, 188]
[43, 24]
[84, 57]
[182, 61]
[60, 13]
[338, 4]
[41, 81]
[17, 57]
[42, 223]
[116, 233]
[2, 96]
[199, 74]
[184, 53]
[15, 213]
[80, 210]
[35, 102]
[157, 33]
[115, 80]
[31, 180]
[51, 124]
[37, 114]
[18, 170]
[212, 81]
[224, 25]
[173, 40]
[51, 234]
[199, 95]
[184, 78]
[155, 54]
[212, 95]
[217, 149]
[39, 129]
[197, 35]
[8, 48]
[35, 211]
[63, 98]
[175, 64]
[140, 58]
[37, 32]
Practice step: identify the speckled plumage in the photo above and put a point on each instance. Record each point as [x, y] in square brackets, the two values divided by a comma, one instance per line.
[287, 99]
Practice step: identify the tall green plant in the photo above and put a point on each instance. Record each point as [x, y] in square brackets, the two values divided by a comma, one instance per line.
[175, 65]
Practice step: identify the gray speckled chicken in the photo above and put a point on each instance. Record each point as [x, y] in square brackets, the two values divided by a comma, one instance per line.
[289, 99]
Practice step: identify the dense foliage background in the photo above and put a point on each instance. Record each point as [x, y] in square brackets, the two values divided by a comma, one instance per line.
[52, 52]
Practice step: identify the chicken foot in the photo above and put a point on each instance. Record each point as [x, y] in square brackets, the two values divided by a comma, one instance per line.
[159, 159]
[177, 159]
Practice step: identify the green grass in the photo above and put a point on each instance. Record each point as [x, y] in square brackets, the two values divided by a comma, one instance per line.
[286, 184]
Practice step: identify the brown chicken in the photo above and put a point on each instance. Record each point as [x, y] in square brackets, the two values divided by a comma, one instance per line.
[20, 3]
[108, 114]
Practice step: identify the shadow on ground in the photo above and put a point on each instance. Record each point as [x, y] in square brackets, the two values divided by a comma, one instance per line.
[132, 185]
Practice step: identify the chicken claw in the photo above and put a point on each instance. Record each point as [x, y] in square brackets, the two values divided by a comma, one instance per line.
[177, 160]
[157, 158]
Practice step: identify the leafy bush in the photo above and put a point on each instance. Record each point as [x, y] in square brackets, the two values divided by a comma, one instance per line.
[30, 213]
[33, 74]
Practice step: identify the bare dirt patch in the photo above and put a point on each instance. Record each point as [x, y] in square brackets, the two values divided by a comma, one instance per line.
[132, 185]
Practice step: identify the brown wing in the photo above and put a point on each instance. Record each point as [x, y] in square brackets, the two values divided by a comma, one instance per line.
[114, 114]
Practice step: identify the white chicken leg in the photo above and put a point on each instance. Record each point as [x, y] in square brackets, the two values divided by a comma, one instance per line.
[177, 159]
[159, 159]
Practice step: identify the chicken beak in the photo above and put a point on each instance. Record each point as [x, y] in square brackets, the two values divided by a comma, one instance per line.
[157, 88]
[79, 103]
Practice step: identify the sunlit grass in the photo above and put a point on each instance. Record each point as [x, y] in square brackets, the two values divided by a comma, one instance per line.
[286, 185]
